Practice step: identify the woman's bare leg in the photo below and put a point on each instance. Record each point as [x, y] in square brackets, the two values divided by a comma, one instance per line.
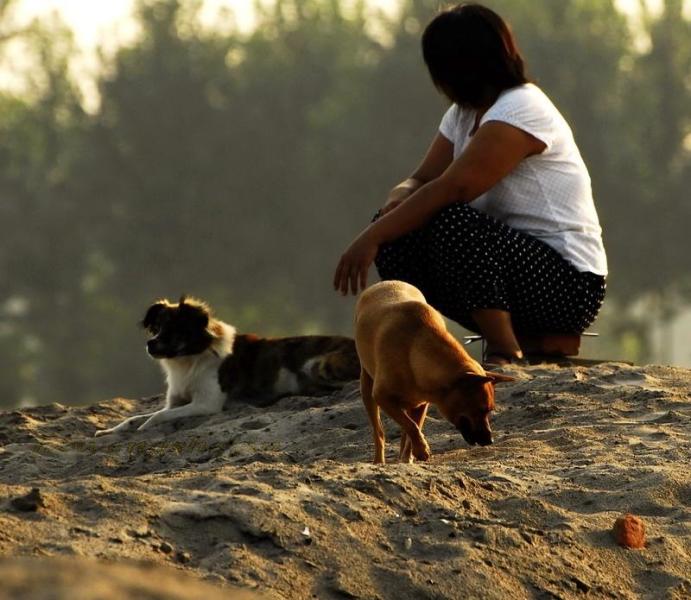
[495, 325]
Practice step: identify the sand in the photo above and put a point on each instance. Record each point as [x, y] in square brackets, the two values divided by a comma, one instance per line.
[282, 502]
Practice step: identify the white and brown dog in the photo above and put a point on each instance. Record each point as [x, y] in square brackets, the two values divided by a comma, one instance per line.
[207, 363]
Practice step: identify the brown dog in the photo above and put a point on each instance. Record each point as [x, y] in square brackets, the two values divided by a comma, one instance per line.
[409, 360]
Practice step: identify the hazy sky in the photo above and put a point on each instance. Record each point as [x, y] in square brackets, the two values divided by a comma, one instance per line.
[106, 24]
[90, 19]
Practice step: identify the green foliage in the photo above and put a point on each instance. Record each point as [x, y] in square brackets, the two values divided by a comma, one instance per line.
[236, 166]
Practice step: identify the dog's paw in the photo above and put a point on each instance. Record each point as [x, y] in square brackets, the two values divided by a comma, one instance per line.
[422, 451]
[148, 424]
[101, 432]
[406, 456]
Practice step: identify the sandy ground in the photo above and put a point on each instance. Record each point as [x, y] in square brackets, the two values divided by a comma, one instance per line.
[282, 501]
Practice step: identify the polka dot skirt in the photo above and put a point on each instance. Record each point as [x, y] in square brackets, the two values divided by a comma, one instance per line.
[464, 260]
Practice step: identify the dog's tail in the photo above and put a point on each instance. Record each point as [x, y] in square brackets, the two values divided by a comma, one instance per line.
[336, 366]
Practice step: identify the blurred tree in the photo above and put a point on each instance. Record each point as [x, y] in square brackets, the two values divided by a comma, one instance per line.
[654, 245]
[304, 76]
[212, 148]
[41, 262]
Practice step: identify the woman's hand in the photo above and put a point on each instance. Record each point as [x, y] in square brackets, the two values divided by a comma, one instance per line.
[389, 206]
[355, 263]
[398, 194]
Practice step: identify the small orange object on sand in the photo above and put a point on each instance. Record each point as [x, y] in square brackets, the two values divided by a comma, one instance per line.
[629, 531]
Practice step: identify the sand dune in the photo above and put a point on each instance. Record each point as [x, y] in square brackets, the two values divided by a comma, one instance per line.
[282, 501]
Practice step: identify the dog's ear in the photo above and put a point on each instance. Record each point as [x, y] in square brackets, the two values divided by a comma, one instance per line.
[500, 377]
[470, 377]
[151, 317]
[488, 377]
[194, 312]
[182, 300]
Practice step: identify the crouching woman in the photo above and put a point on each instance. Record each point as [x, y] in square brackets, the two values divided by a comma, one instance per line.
[497, 226]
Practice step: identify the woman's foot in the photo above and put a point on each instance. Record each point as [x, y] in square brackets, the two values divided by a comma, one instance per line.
[502, 345]
[495, 357]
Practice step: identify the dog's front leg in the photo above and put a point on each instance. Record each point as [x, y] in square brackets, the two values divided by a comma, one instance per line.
[420, 447]
[373, 414]
[405, 449]
[418, 415]
[127, 425]
[188, 410]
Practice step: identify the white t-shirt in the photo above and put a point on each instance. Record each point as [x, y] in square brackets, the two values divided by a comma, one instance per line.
[548, 195]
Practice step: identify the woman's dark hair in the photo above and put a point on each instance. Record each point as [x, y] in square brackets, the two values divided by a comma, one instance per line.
[472, 55]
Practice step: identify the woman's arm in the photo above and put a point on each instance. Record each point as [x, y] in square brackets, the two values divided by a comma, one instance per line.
[494, 151]
[437, 159]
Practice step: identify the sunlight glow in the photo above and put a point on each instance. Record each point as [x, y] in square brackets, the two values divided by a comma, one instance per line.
[93, 22]
[103, 26]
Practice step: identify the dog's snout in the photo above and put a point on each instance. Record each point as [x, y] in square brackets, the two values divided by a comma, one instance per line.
[484, 438]
[483, 432]
[465, 427]
[155, 348]
[480, 434]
